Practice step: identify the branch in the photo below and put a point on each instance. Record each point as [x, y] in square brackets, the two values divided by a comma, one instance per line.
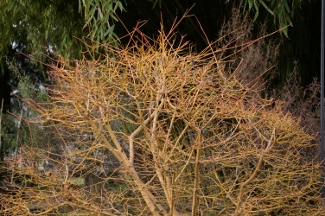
[257, 168]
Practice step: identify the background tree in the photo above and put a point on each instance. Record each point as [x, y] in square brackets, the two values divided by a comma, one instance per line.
[38, 28]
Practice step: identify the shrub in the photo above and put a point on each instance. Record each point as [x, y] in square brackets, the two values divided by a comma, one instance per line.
[153, 128]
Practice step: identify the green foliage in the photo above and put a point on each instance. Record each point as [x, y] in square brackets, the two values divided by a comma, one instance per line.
[100, 16]
[282, 11]
[8, 134]
[26, 88]
[46, 26]
[15, 130]
[37, 24]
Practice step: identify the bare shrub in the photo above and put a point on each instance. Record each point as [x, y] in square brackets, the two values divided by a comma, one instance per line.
[153, 129]
[302, 102]
[251, 60]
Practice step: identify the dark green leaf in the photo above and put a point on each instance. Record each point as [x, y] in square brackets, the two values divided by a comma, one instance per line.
[119, 5]
[257, 10]
[100, 13]
[285, 3]
[114, 17]
[266, 7]
[250, 4]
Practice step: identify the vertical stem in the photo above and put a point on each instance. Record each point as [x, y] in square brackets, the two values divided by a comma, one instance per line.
[196, 174]
[169, 185]
[120, 155]
[148, 197]
[270, 144]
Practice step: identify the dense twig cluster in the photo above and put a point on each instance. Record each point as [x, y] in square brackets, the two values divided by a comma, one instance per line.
[155, 129]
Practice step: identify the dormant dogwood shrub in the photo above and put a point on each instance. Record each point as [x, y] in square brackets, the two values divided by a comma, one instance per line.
[155, 129]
